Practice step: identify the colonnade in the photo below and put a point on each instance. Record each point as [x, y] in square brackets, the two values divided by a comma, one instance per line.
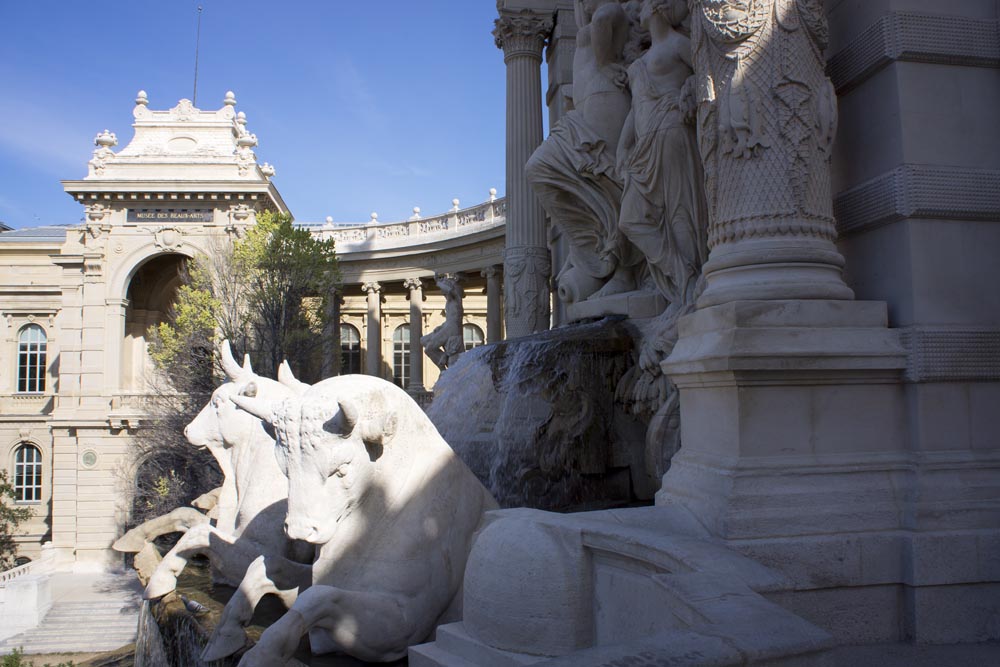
[416, 290]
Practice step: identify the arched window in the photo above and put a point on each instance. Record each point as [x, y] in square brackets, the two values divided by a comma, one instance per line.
[31, 354]
[27, 474]
[350, 350]
[401, 355]
[472, 336]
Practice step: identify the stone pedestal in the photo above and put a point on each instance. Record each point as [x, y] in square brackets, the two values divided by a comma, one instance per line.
[796, 451]
[788, 410]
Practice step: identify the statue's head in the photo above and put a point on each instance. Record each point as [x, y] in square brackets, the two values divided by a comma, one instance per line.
[674, 11]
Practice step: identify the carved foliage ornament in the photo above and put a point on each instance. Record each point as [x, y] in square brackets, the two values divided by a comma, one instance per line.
[522, 33]
[527, 288]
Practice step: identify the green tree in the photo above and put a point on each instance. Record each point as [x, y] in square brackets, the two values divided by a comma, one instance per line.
[290, 277]
[268, 294]
[11, 516]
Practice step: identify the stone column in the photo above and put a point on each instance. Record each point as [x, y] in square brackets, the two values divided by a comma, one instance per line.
[373, 355]
[522, 35]
[792, 417]
[494, 314]
[767, 174]
[416, 289]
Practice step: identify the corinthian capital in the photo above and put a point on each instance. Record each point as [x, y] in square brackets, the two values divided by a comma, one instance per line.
[412, 284]
[522, 33]
[371, 287]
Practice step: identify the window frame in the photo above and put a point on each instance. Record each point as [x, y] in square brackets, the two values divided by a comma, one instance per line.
[347, 353]
[472, 344]
[31, 361]
[26, 493]
[401, 372]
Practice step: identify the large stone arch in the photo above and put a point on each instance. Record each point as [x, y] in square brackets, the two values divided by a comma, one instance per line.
[144, 290]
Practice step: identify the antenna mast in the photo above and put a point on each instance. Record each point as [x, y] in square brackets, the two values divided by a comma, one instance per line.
[197, 43]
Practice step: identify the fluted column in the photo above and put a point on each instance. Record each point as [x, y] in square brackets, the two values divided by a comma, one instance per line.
[494, 319]
[373, 355]
[522, 36]
[416, 289]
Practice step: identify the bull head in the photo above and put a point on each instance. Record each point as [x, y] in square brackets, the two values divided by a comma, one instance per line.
[329, 448]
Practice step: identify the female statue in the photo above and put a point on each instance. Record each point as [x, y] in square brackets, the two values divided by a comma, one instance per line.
[663, 208]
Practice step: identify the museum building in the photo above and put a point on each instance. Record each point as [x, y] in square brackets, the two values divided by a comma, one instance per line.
[77, 300]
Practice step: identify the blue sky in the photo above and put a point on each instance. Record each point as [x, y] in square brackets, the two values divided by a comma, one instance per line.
[360, 106]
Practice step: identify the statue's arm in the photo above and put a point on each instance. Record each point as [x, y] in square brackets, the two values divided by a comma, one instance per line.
[608, 30]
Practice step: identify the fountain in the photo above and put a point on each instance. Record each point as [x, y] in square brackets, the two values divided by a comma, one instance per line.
[536, 419]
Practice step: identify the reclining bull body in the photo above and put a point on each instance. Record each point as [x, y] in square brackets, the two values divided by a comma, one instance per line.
[391, 508]
[247, 546]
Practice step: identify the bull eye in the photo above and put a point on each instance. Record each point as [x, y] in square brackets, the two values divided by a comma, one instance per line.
[341, 471]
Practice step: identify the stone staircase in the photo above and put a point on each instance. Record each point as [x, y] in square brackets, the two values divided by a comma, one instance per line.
[79, 627]
[89, 614]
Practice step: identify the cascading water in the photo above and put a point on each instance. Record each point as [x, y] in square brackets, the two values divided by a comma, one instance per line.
[535, 418]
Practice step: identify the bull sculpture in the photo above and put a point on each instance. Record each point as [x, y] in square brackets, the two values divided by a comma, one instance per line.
[247, 544]
[388, 504]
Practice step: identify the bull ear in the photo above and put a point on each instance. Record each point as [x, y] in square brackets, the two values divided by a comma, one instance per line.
[258, 407]
[229, 365]
[287, 378]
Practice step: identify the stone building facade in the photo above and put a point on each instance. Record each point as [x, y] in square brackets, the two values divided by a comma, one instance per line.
[77, 300]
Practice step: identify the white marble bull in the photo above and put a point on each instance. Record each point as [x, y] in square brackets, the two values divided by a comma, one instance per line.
[390, 506]
[247, 545]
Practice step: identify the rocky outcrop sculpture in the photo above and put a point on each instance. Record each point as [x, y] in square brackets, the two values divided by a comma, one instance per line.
[390, 508]
[445, 343]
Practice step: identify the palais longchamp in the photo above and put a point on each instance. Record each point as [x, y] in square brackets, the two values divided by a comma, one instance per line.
[77, 301]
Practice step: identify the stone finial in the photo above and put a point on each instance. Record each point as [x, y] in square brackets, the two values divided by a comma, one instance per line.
[416, 213]
[230, 100]
[493, 194]
[266, 169]
[106, 139]
[329, 219]
[374, 219]
[141, 99]
[454, 204]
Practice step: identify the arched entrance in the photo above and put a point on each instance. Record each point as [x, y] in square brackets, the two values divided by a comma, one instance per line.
[151, 293]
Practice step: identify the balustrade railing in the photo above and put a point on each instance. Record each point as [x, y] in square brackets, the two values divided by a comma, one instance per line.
[352, 237]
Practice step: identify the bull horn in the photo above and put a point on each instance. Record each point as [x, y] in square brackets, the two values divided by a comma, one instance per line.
[287, 378]
[229, 365]
[258, 407]
[246, 364]
[351, 414]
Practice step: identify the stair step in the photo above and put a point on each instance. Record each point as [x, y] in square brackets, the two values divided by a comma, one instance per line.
[431, 655]
[453, 639]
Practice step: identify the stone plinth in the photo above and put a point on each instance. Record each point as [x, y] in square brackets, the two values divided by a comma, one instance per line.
[789, 408]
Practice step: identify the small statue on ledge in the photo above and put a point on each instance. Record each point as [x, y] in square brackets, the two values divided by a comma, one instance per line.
[445, 343]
